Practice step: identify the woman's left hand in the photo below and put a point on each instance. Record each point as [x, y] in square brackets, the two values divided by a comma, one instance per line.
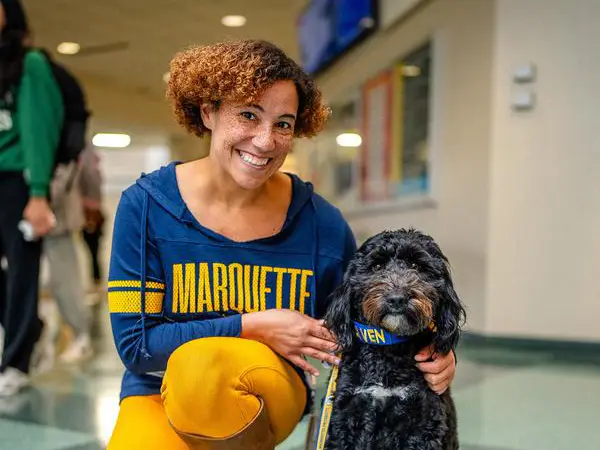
[440, 371]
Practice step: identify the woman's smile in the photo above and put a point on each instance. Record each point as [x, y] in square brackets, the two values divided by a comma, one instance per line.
[253, 161]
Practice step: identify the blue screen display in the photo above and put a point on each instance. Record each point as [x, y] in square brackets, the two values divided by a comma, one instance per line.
[353, 18]
[316, 34]
[327, 28]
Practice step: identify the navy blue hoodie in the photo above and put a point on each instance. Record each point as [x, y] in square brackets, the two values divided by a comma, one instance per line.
[172, 280]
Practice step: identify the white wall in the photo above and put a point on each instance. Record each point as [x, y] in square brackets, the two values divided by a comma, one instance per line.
[462, 36]
[122, 166]
[544, 249]
[394, 10]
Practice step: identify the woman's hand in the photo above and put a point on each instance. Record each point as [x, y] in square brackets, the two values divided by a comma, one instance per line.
[440, 371]
[291, 334]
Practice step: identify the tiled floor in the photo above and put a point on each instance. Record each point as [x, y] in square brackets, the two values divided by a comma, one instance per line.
[507, 400]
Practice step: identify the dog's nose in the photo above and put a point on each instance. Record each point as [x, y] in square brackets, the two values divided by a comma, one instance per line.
[397, 301]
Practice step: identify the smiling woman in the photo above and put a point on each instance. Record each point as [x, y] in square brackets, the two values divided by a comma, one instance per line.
[223, 248]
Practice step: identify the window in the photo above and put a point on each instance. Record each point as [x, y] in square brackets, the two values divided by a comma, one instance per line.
[411, 125]
[386, 121]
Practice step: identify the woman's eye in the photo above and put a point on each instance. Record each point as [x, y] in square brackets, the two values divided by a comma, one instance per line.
[248, 115]
[284, 125]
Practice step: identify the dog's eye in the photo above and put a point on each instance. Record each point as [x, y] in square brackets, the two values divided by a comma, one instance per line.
[413, 265]
[377, 267]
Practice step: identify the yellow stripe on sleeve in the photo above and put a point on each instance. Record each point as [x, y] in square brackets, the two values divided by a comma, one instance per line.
[135, 284]
[131, 302]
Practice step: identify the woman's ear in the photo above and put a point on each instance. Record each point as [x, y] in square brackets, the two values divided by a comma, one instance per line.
[208, 112]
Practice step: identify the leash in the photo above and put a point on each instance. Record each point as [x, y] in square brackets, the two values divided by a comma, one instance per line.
[327, 409]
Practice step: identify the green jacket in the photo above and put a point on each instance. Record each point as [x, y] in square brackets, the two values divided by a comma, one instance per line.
[30, 128]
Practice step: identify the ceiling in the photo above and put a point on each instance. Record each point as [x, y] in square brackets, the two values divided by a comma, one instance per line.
[154, 31]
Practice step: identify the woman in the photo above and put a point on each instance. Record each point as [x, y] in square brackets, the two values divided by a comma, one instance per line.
[223, 248]
[31, 117]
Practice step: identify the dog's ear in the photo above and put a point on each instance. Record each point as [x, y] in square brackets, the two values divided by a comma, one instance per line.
[450, 316]
[337, 318]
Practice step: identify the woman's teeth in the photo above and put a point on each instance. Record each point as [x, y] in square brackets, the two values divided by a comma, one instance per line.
[254, 160]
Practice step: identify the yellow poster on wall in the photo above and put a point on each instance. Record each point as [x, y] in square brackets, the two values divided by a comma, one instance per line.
[397, 125]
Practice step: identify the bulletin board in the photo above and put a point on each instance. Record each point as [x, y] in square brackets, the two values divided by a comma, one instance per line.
[377, 137]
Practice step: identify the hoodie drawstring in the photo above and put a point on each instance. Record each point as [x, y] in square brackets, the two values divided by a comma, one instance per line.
[315, 258]
[144, 226]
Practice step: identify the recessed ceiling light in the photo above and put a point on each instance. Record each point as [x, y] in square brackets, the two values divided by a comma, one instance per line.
[349, 140]
[166, 77]
[68, 48]
[233, 21]
[111, 140]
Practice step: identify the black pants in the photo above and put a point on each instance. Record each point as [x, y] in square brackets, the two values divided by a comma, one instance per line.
[19, 283]
[93, 243]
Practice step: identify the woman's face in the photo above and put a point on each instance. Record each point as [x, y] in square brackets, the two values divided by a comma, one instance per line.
[251, 142]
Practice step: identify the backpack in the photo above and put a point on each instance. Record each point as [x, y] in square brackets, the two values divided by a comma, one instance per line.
[73, 134]
[72, 140]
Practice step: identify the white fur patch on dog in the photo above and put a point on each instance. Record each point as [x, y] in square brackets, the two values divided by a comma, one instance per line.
[378, 391]
[395, 323]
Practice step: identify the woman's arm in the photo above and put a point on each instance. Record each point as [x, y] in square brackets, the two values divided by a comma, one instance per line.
[145, 343]
[41, 112]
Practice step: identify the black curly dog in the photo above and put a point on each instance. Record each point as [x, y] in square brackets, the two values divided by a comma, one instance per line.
[398, 281]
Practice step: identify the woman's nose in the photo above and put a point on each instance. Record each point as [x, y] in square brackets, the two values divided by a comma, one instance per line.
[264, 139]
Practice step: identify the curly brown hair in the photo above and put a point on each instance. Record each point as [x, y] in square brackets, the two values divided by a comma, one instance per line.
[239, 71]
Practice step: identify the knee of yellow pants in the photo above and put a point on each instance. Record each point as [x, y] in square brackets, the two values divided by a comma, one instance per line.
[212, 387]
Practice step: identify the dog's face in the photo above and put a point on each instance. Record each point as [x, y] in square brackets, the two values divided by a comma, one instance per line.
[399, 281]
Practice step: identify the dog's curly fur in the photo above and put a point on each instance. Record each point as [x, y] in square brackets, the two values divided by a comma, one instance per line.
[399, 281]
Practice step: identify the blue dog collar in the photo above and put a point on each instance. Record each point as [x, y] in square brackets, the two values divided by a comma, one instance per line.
[378, 336]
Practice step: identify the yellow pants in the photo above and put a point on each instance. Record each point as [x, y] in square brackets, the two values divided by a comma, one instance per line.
[212, 388]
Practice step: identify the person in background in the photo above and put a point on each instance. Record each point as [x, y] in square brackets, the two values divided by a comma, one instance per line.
[66, 284]
[31, 117]
[90, 182]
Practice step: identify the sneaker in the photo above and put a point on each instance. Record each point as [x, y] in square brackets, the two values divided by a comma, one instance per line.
[44, 351]
[15, 404]
[12, 381]
[78, 350]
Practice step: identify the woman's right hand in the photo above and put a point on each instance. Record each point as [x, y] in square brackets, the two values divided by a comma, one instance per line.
[292, 335]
